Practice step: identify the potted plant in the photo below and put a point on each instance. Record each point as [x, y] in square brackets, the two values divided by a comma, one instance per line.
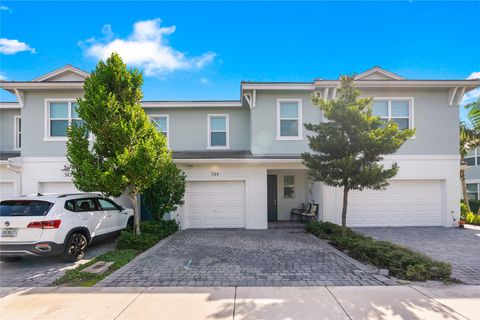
[461, 223]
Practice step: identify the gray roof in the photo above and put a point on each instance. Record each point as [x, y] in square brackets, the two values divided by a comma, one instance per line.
[5, 155]
[227, 154]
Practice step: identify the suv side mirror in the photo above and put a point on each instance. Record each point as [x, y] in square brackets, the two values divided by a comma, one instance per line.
[120, 208]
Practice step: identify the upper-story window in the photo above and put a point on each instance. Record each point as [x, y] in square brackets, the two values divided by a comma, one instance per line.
[473, 158]
[398, 110]
[473, 191]
[218, 126]
[17, 138]
[160, 122]
[60, 115]
[289, 119]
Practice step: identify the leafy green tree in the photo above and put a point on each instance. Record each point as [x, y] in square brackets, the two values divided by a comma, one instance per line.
[166, 194]
[127, 153]
[348, 147]
[469, 139]
[474, 113]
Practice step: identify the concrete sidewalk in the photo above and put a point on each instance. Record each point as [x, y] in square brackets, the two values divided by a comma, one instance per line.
[374, 302]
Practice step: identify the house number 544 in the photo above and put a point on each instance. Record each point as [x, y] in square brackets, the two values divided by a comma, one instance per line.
[215, 173]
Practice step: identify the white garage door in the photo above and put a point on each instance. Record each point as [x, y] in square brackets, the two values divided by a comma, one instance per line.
[57, 187]
[404, 203]
[7, 190]
[215, 204]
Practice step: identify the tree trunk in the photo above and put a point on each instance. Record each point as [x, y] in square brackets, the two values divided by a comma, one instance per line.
[344, 212]
[464, 189]
[136, 213]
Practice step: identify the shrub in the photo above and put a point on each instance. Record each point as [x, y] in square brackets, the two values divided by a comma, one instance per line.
[402, 262]
[151, 233]
[463, 210]
[472, 218]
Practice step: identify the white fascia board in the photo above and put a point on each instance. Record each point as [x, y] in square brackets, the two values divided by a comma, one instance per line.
[189, 104]
[469, 84]
[11, 86]
[60, 71]
[10, 105]
[277, 86]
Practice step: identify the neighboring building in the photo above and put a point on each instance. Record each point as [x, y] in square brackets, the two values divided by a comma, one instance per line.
[242, 157]
[472, 174]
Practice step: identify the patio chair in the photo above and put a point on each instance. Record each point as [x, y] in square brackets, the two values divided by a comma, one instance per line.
[296, 213]
[311, 215]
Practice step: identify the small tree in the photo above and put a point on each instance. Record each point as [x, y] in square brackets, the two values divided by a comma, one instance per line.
[127, 153]
[166, 194]
[348, 148]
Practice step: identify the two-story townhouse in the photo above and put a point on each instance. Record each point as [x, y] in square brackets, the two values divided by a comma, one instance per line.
[242, 157]
[472, 173]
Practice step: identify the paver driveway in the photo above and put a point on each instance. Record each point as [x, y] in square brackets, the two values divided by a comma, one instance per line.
[43, 271]
[460, 247]
[243, 258]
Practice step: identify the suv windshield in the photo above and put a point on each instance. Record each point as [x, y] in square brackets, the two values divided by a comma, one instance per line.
[11, 208]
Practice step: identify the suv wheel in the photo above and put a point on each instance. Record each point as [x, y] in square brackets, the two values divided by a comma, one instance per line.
[76, 248]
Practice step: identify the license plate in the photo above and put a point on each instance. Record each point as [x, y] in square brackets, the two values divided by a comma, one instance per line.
[9, 233]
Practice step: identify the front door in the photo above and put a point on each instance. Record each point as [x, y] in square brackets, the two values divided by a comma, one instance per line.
[272, 197]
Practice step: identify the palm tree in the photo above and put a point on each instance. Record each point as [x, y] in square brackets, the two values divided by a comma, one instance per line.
[469, 139]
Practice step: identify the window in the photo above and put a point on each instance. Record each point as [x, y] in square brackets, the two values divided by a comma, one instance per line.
[107, 204]
[398, 110]
[60, 115]
[473, 158]
[81, 205]
[24, 208]
[289, 119]
[289, 187]
[161, 123]
[472, 191]
[17, 143]
[218, 127]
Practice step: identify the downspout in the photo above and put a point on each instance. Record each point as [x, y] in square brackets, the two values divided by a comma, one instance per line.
[18, 170]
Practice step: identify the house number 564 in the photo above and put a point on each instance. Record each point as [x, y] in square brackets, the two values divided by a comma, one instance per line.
[215, 173]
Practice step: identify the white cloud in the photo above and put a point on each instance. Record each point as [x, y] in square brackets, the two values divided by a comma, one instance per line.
[474, 75]
[204, 81]
[11, 46]
[3, 76]
[5, 8]
[473, 95]
[145, 48]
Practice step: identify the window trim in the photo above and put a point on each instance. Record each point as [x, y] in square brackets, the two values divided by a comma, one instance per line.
[475, 156]
[17, 134]
[411, 109]
[47, 136]
[227, 131]
[294, 187]
[477, 182]
[150, 116]
[299, 135]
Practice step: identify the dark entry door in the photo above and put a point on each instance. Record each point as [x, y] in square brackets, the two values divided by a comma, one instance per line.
[272, 197]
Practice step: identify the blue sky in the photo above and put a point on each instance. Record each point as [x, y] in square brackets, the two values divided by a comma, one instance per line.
[203, 50]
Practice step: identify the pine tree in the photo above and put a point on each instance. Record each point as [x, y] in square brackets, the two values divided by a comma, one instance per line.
[348, 147]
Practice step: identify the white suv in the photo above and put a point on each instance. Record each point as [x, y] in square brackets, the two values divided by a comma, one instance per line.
[61, 224]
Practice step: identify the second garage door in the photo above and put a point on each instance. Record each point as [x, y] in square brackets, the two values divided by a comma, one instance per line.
[404, 203]
[215, 204]
[57, 187]
[7, 190]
